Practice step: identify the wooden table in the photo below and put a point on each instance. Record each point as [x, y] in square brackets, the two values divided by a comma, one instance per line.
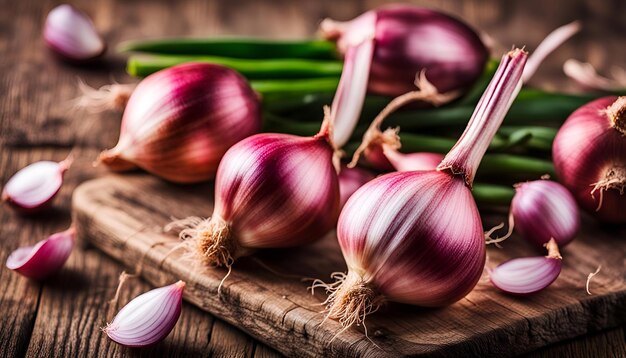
[63, 316]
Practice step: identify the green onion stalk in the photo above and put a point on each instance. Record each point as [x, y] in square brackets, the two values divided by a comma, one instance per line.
[235, 47]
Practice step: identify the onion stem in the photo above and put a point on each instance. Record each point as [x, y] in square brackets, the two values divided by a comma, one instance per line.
[142, 66]
[477, 90]
[235, 47]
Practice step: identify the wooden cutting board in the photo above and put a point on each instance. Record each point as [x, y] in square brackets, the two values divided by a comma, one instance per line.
[267, 297]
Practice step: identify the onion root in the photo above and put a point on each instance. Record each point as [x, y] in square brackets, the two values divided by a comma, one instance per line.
[350, 299]
[615, 178]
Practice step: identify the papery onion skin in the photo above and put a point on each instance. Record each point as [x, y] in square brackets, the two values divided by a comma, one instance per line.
[45, 258]
[180, 121]
[276, 190]
[445, 252]
[586, 151]
[544, 210]
[71, 35]
[410, 39]
[160, 310]
[350, 180]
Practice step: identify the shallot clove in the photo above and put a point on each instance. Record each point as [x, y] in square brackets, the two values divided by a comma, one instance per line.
[148, 318]
[71, 34]
[33, 187]
[544, 209]
[528, 275]
[44, 258]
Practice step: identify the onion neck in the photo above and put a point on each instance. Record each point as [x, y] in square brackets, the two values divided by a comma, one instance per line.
[350, 95]
[464, 158]
[617, 114]
[114, 161]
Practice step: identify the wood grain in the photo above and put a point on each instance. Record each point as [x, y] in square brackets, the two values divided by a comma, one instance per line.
[124, 217]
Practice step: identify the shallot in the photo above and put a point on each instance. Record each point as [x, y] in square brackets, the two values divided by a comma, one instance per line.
[589, 154]
[416, 237]
[148, 318]
[71, 34]
[34, 186]
[409, 39]
[528, 275]
[179, 122]
[544, 210]
[271, 191]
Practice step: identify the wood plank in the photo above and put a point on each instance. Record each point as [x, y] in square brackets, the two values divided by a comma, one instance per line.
[19, 297]
[611, 343]
[123, 216]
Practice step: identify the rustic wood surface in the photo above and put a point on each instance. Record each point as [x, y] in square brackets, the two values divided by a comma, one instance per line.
[267, 294]
[61, 317]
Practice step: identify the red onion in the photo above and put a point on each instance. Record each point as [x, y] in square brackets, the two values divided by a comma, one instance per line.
[409, 39]
[589, 154]
[180, 121]
[34, 186]
[44, 258]
[543, 210]
[71, 34]
[148, 318]
[271, 191]
[528, 275]
[416, 237]
[351, 179]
